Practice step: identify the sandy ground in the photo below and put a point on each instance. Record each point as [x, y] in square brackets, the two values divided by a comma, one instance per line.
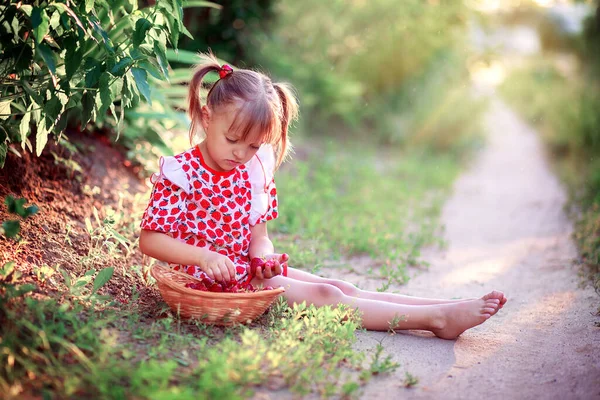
[506, 230]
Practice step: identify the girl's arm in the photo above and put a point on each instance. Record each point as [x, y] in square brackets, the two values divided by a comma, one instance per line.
[165, 248]
[261, 246]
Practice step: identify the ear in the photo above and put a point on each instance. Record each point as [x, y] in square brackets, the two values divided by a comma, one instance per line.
[205, 115]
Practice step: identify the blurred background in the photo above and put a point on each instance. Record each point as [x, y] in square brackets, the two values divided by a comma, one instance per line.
[391, 98]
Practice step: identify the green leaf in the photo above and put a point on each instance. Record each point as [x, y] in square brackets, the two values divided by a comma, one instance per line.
[192, 3]
[24, 127]
[55, 19]
[99, 30]
[120, 68]
[52, 110]
[130, 6]
[61, 122]
[40, 23]
[5, 109]
[161, 56]
[187, 33]
[150, 67]
[22, 289]
[72, 57]
[93, 75]
[7, 269]
[11, 228]
[67, 278]
[142, 26]
[47, 56]
[102, 277]
[27, 9]
[89, 5]
[41, 137]
[3, 151]
[87, 104]
[173, 28]
[105, 94]
[31, 210]
[141, 81]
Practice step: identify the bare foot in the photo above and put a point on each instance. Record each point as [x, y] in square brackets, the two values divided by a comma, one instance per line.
[458, 317]
[496, 295]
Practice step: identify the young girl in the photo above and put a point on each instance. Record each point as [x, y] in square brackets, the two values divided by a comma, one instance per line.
[210, 206]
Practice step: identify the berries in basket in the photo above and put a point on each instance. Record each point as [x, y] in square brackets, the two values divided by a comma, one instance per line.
[211, 307]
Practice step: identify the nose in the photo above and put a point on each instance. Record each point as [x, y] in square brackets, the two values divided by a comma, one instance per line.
[238, 153]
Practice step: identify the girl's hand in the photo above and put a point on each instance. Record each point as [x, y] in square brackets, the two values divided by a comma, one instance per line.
[274, 267]
[218, 267]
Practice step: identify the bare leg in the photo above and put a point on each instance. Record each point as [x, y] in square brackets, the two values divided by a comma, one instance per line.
[352, 291]
[444, 320]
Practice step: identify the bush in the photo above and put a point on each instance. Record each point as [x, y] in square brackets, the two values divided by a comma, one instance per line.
[63, 62]
[363, 63]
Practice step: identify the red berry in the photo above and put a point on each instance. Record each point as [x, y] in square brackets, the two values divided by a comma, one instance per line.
[257, 262]
[215, 287]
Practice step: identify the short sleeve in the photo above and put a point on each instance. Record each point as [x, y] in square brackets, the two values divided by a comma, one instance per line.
[167, 206]
[264, 193]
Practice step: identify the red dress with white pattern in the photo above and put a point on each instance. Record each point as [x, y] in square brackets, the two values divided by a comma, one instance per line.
[206, 208]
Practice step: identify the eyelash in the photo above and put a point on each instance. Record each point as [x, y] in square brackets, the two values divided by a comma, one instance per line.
[235, 141]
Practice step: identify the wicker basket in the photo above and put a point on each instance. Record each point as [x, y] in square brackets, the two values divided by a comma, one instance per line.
[210, 307]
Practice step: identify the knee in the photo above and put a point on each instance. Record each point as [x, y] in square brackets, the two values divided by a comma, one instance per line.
[347, 288]
[330, 294]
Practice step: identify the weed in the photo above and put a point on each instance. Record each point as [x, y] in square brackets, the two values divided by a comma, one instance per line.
[379, 365]
[410, 380]
[393, 324]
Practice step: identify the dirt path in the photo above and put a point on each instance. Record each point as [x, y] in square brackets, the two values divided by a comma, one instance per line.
[506, 230]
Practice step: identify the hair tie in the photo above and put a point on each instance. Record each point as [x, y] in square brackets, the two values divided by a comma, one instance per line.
[225, 70]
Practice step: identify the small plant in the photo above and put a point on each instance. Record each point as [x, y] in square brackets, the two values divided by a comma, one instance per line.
[105, 240]
[395, 322]
[379, 365]
[11, 228]
[410, 380]
[79, 287]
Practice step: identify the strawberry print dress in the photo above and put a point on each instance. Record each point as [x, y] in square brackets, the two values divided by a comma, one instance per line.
[195, 204]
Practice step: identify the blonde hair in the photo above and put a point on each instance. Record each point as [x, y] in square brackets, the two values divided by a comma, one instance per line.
[264, 107]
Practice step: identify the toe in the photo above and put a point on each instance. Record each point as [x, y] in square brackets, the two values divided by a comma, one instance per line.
[488, 310]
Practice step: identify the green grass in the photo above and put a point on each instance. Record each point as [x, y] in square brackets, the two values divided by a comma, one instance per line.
[364, 201]
[565, 111]
[65, 340]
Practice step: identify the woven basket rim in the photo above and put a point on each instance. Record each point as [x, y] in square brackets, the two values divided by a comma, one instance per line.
[159, 272]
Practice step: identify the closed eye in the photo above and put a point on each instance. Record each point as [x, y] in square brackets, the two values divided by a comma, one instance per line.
[231, 140]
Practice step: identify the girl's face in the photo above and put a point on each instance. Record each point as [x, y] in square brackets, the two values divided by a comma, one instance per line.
[224, 150]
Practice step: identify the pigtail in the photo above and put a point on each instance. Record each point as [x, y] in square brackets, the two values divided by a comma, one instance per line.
[209, 64]
[289, 113]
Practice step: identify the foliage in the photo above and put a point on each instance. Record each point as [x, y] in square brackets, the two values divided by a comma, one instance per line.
[60, 350]
[11, 228]
[229, 29]
[363, 201]
[360, 62]
[85, 61]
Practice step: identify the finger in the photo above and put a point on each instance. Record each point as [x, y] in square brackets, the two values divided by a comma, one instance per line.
[259, 273]
[210, 273]
[284, 257]
[231, 269]
[217, 274]
[225, 272]
[277, 269]
[267, 272]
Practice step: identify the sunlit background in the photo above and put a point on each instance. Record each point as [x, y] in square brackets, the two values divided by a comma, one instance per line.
[386, 73]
